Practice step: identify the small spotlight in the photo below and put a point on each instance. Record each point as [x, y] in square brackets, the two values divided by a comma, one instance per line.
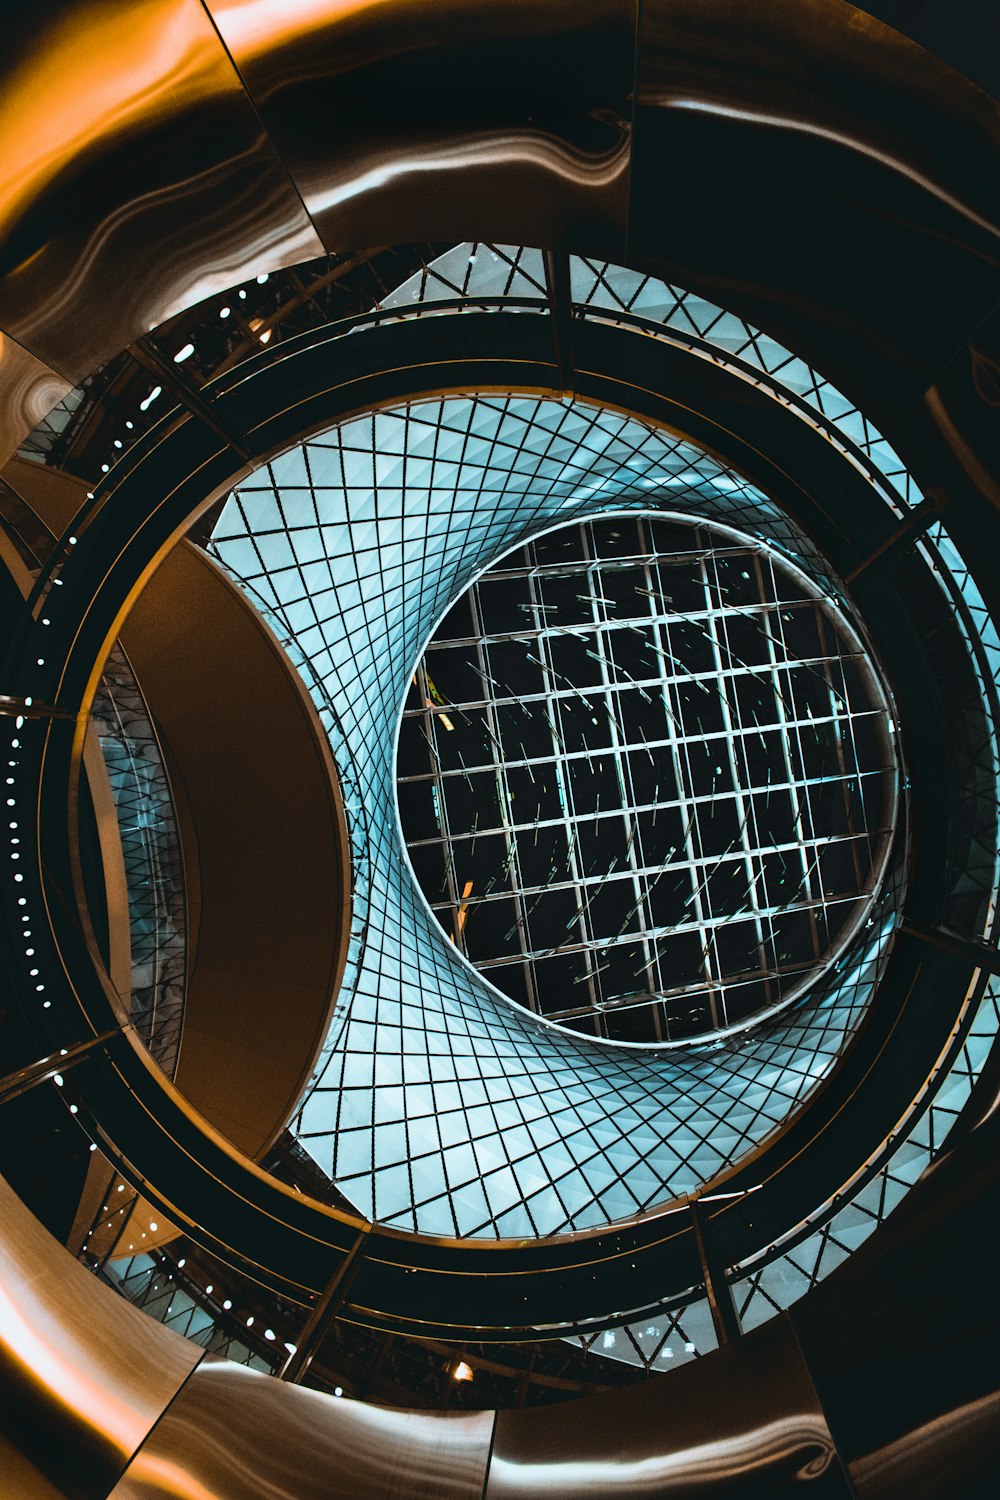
[462, 1371]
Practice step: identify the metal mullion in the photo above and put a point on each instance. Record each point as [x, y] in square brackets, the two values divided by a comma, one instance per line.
[569, 811]
[860, 880]
[627, 812]
[697, 617]
[621, 561]
[711, 934]
[688, 816]
[445, 840]
[793, 966]
[655, 979]
[741, 736]
[347, 490]
[466, 436]
[836, 721]
[793, 784]
[741, 808]
[557, 766]
[510, 843]
[653, 807]
[700, 864]
[792, 722]
[585, 946]
[645, 744]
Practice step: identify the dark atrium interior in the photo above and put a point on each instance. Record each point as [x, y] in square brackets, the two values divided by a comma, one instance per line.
[499, 536]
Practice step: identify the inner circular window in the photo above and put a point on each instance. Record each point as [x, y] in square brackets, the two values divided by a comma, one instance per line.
[646, 778]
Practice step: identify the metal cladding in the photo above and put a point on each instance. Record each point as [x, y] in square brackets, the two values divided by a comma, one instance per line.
[238, 1434]
[30, 389]
[515, 116]
[84, 1376]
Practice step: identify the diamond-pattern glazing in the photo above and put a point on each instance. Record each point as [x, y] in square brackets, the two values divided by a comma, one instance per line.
[437, 1106]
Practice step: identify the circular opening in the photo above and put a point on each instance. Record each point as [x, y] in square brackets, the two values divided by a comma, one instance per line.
[646, 778]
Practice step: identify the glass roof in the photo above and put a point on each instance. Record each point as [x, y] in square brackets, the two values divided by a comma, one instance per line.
[438, 1106]
[643, 778]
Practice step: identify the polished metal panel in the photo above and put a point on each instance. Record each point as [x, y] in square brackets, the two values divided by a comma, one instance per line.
[743, 1421]
[737, 102]
[83, 1376]
[955, 435]
[135, 177]
[234, 1434]
[902, 1341]
[441, 120]
[268, 910]
[28, 392]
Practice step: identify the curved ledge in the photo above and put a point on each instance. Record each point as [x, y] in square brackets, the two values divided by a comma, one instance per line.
[92, 1387]
[265, 843]
[265, 832]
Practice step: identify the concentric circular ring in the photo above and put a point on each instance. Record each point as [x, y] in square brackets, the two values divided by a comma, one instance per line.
[185, 485]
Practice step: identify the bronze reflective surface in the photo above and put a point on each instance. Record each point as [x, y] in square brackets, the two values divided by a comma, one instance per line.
[880, 273]
[83, 1376]
[744, 1421]
[135, 177]
[505, 121]
[234, 1434]
[28, 392]
[265, 845]
[267, 871]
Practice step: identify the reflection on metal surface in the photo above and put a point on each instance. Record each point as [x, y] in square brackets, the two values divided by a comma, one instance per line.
[916, 1464]
[83, 1377]
[832, 99]
[234, 1434]
[743, 1422]
[696, 72]
[28, 392]
[519, 111]
[136, 176]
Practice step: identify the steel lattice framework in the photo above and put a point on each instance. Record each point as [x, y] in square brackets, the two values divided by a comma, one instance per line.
[639, 772]
[436, 1105]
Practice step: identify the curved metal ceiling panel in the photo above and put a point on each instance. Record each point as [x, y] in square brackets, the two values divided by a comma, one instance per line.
[28, 392]
[788, 128]
[516, 115]
[135, 176]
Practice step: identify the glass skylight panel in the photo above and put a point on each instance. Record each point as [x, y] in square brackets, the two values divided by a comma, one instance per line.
[566, 1129]
[645, 778]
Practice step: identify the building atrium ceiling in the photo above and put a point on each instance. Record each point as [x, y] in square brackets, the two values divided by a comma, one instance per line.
[501, 721]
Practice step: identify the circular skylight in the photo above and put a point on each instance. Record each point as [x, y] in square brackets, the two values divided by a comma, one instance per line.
[645, 777]
[438, 1104]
